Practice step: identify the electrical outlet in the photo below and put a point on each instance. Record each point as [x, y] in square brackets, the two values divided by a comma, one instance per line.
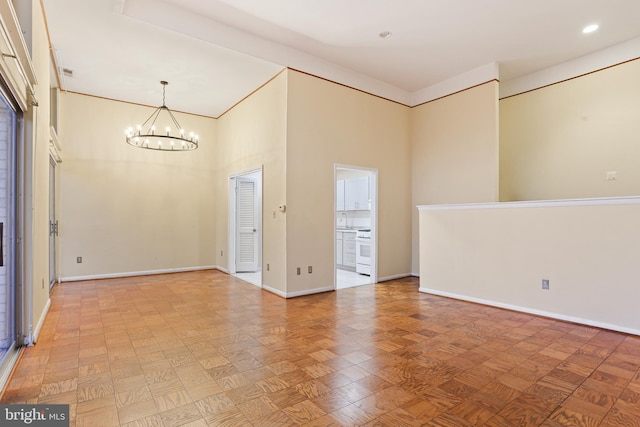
[298, 270]
[310, 269]
[545, 284]
[267, 267]
[221, 253]
[79, 260]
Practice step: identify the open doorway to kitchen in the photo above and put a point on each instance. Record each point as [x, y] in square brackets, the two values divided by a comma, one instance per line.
[245, 226]
[355, 223]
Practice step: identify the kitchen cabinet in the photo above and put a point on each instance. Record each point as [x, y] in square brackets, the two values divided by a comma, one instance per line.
[353, 194]
[349, 249]
[340, 195]
[346, 249]
[356, 194]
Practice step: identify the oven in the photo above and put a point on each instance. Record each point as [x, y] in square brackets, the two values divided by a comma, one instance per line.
[363, 251]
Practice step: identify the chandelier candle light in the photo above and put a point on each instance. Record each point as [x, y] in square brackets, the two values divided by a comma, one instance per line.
[145, 135]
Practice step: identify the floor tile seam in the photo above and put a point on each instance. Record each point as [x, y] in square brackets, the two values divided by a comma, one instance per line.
[582, 383]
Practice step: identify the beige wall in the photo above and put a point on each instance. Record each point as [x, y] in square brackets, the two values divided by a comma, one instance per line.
[454, 152]
[327, 124]
[128, 210]
[560, 141]
[500, 256]
[252, 135]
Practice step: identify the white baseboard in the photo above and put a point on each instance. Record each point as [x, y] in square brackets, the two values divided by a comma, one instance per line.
[393, 277]
[414, 274]
[297, 293]
[528, 310]
[138, 273]
[43, 315]
[309, 292]
[224, 270]
[274, 291]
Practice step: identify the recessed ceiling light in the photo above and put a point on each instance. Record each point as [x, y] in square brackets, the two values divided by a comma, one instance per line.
[590, 28]
[385, 34]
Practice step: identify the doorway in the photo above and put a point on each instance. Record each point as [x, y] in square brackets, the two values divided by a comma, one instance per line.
[355, 226]
[245, 226]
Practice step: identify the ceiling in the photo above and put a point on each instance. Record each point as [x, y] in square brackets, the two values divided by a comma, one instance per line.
[213, 53]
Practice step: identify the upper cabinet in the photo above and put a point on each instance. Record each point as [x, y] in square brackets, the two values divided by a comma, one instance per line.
[340, 195]
[356, 194]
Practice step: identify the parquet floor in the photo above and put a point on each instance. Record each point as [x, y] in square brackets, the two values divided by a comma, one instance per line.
[204, 348]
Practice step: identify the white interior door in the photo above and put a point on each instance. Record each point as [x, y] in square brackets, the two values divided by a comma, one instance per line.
[247, 223]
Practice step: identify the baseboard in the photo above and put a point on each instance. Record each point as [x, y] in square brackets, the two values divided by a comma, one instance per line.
[309, 292]
[297, 293]
[274, 291]
[414, 274]
[224, 270]
[557, 316]
[393, 277]
[43, 316]
[139, 273]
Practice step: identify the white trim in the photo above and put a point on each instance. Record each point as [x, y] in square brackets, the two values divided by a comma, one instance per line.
[274, 291]
[8, 364]
[518, 308]
[309, 292]
[54, 145]
[224, 270]
[598, 201]
[43, 316]
[414, 274]
[393, 277]
[137, 273]
[297, 293]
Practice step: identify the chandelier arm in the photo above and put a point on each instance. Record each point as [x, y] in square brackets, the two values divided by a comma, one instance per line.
[175, 121]
[153, 116]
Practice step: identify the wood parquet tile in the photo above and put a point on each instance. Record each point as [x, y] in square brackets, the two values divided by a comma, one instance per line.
[204, 348]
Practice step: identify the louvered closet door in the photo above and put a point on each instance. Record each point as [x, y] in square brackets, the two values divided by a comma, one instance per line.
[247, 225]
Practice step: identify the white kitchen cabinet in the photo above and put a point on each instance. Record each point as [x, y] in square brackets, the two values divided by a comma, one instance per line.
[356, 194]
[349, 249]
[340, 195]
[346, 250]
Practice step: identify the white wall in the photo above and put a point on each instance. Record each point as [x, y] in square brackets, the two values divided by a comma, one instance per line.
[126, 210]
[252, 135]
[560, 141]
[454, 152]
[499, 254]
[330, 124]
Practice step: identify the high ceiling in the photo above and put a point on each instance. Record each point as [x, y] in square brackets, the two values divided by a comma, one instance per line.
[215, 52]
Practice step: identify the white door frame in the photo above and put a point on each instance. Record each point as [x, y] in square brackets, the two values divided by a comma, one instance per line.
[231, 236]
[373, 173]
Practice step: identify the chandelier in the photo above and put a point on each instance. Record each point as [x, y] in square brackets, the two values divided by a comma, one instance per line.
[147, 136]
